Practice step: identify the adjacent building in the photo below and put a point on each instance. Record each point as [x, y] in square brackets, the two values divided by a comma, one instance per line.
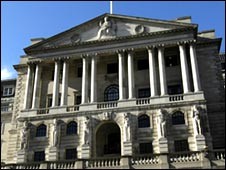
[120, 91]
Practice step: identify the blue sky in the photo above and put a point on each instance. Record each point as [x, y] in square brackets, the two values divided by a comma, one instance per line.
[23, 20]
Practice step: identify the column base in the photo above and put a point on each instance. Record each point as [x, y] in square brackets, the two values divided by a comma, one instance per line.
[163, 145]
[22, 156]
[200, 142]
[127, 149]
[85, 151]
[53, 154]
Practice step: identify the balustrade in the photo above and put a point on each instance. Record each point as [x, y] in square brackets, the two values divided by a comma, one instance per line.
[43, 111]
[145, 159]
[104, 105]
[142, 101]
[102, 162]
[176, 97]
[185, 157]
[73, 108]
[219, 154]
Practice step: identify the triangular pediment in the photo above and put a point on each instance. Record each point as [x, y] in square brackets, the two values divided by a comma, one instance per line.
[108, 26]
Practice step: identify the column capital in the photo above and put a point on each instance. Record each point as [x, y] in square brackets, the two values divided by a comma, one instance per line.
[161, 46]
[130, 50]
[34, 62]
[150, 47]
[120, 51]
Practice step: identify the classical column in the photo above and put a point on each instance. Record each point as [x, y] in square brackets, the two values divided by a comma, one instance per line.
[184, 69]
[64, 92]
[130, 75]
[37, 87]
[93, 79]
[28, 90]
[194, 68]
[56, 84]
[152, 73]
[162, 72]
[84, 80]
[121, 75]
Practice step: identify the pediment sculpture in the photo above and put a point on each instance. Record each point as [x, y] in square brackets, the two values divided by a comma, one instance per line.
[107, 28]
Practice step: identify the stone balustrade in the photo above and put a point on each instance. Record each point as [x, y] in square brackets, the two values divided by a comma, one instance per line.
[219, 154]
[73, 108]
[102, 162]
[143, 101]
[145, 159]
[62, 165]
[176, 97]
[104, 105]
[185, 157]
[42, 111]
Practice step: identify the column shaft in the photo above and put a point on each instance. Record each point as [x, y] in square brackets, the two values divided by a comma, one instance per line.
[130, 75]
[194, 68]
[152, 72]
[64, 84]
[184, 69]
[37, 87]
[84, 80]
[93, 80]
[28, 90]
[56, 84]
[162, 72]
[121, 76]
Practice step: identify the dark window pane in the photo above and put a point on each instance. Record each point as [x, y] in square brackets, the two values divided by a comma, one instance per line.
[142, 64]
[50, 99]
[79, 73]
[171, 61]
[178, 118]
[143, 121]
[111, 93]
[71, 128]
[41, 130]
[112, 68]
[143, 93]
[39, 156]
[146, 148]
[71, 153]
[181, 145]
[175, 89]
[223, 66]
[78, 99]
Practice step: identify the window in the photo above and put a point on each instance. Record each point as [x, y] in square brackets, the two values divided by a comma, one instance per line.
[41, 130]
[142, 64]
[143, 121]
[143, 93]
[181, 145]
[72, 128]
[178, 118]
[71, 153]
[146, 148]
[39, 156]
[78, 99]
[171, 61]
[111, 93]
[175, 89]
[79, 72]
[49, 101]
[112, 68]
[8, 91]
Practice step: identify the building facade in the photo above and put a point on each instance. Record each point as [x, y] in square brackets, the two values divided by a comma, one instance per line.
[120, 91]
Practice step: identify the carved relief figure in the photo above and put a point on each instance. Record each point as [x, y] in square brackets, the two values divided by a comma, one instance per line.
[24, 136]
[126, 127]
[161, 123]
[196, 121]
[86, 131]
[106, 28]
[55, 133]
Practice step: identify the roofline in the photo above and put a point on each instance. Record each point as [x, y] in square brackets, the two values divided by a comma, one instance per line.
[12, 79]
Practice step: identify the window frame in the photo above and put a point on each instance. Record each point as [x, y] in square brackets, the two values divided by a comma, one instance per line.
[180, 147]
[142, 125]
[146, 147]
[39, 131]
[71, 150]
[144, 91]
[39, 153]
[111, 96]
[8, 87]
[177, 118]
[73, 131]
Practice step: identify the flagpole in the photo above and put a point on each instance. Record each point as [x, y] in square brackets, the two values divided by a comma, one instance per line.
[110, 7]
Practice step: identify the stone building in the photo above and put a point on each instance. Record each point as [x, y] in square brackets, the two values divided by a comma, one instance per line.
[120, 91]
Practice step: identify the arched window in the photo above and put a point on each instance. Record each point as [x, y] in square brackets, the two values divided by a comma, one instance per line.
[178, 118]
[111, 93]
[41, 130]
[72, 128]
[143, 121]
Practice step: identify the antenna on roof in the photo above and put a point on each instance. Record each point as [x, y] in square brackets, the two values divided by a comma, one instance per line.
[111, 7]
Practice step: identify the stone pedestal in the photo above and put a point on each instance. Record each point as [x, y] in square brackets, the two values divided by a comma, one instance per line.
[128, 150]
[200, 142]
[125, 162]
[85, 151]
[53, 154]
[163, 145]
[22, 156]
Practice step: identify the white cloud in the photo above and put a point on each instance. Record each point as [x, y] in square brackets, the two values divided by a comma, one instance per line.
[6, 74]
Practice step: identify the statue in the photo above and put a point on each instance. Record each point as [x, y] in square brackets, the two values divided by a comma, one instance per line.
[24, 136]
[196, 121]
[105, 28]
[86, 131]
[126, 127]
[55, 133]
[161, 123]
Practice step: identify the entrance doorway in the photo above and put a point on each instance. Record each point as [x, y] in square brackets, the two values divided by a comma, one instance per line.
[108, 140]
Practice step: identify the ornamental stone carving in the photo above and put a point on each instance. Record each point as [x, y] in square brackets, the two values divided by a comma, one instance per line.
[86, 131]
[161, 124]
[75, 38]
[55, 133]
[127, 126]
[24, 136]
[140, 29]
[196, 121]
[107, 29]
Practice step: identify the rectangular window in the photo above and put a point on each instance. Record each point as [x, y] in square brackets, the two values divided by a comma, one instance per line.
[8, 91]
[39, 156]
[146, 148]
[142, 64]
[181, 145]
[79, 72]
[175, 89]
[112, 68]
[78, 99]
[143, 93]
[49, 100]
[71, 153]
[171, 61]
